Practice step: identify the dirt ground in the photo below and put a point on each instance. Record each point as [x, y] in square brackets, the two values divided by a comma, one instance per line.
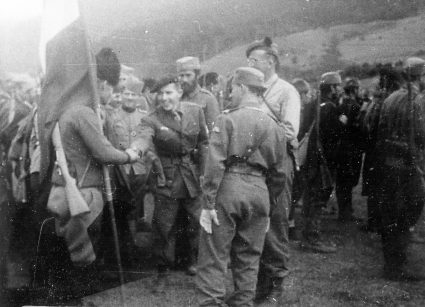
[350, 277]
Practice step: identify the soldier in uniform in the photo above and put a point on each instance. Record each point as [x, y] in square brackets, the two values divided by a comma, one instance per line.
[86, 149]
[401, 189]
[129, 179]
[246, 168]
[188, 69]
[350, 150]
[389, 81]
[321, 162]
[282, 101]
[178, 133]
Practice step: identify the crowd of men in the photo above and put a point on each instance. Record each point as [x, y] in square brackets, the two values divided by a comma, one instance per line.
[227, 164]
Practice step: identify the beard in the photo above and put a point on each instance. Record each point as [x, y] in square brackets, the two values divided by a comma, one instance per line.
[188, 87]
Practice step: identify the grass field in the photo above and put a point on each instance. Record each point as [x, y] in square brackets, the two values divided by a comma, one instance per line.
[350, 277]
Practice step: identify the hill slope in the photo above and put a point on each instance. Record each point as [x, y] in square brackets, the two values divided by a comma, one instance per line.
[324, 49]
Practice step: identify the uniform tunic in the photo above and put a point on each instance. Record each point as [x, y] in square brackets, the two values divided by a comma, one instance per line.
[207, 102]
[246, 167]
[180, 141]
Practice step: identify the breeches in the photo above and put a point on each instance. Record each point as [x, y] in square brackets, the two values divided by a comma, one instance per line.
[242, 209]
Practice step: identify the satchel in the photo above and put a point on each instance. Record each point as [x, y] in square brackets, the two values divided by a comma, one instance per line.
[301, 153]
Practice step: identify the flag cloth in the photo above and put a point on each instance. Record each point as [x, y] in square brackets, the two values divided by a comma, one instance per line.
[67, 63]
[64, 47]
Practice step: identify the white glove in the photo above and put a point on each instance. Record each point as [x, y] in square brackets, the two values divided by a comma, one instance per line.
[343, 119]
[132, 154]
[207, 217]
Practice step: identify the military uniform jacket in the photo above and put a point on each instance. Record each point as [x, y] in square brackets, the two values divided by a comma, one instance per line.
[121, 130]
[330, 131]
[177, 141]
[83, 140]
[207, 102]
[395, 123]
[246, 131]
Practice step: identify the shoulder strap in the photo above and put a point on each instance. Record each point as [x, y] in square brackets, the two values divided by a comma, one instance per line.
[81, 181]
[277, 116]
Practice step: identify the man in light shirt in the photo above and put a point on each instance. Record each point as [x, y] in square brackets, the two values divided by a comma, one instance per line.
[283, 102]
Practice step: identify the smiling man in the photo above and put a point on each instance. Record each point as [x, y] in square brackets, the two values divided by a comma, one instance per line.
[178, 132]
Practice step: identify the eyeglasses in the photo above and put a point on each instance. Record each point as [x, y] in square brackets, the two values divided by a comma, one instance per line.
[251, 60]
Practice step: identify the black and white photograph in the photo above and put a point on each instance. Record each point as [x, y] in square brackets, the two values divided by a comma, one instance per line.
[228, 153]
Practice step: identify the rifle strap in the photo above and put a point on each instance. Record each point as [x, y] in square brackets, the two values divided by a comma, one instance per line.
[81, 181]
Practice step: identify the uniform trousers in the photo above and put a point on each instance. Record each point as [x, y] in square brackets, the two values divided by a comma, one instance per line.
[165, 227]
[400, 204]
[242, 206]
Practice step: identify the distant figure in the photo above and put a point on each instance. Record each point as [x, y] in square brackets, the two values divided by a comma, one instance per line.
[214, 83]
[401, 188]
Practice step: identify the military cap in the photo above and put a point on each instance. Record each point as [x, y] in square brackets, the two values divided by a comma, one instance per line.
[134, 84]
[188, 63]
[170, 79]
[249, 76]
[301, 85]
[331, 77]
[264, 44]
[414, 66]
[351, 82]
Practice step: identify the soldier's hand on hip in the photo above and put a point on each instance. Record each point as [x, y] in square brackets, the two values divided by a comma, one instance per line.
[207, 218]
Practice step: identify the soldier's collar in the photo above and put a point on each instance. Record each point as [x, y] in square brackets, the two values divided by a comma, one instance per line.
[194, 92]
[271, 80]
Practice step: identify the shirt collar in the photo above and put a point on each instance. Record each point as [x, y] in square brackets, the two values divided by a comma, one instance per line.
[271, 80]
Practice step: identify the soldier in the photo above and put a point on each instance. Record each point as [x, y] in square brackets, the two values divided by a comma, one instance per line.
[350, 150]
[178, 132]
[188, 69]
[389, 81]
[401, 189]
[86, 149]
[282, 101]
[246, 168]
[321, 162]
[214, 83]
[130, 179]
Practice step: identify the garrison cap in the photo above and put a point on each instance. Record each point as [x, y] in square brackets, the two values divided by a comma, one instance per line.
[249, 76]
[351, 82]
[331, 77]
[188, 63]
[264, 44]
[414, 66]
[170, 79]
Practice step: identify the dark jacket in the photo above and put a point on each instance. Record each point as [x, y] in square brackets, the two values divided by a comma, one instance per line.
[83, 141]
[181, 145]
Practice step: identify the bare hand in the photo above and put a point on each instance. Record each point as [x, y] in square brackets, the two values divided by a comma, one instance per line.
[343, 119]
[134, 156]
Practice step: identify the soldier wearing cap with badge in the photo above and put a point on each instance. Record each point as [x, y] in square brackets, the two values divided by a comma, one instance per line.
[177, 131]
[244, 174]
[320, 188]
[401, 189]
[188, 70]
[282, 101]
[121, 129]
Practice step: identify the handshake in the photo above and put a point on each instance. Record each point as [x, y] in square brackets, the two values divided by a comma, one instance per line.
[133, 154]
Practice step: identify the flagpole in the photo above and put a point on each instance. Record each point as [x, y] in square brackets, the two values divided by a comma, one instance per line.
[106, 176]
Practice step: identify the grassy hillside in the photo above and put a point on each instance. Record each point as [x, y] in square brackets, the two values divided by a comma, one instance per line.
[325, 49]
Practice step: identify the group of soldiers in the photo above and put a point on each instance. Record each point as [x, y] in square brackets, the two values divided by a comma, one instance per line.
[226, 166]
